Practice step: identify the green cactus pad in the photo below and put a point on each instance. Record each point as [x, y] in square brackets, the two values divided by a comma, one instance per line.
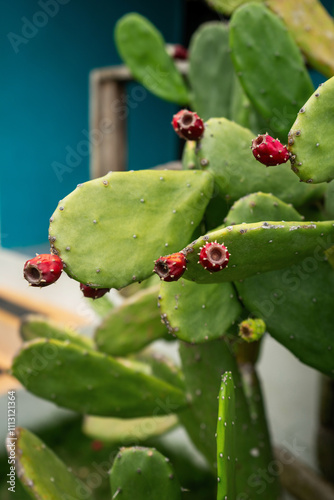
[143, 50]
[203, 366]
[128, 431]
[34, 327]
[109, 231]
[259, 247]
[211, 72]
[197, 313]
[225, 151]
[310, 138]
[131, 326]
[277, 297]
[226, 6]
[256, 207]
[226, 447]
[262, 49]
[91, 382]
[41, 472]
[312, 28]
[144, 474]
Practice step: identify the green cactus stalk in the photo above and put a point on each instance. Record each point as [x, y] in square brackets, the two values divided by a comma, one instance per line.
[258, 39]
[226, 447]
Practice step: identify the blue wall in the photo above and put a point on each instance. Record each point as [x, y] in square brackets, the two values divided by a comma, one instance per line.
[44, 102]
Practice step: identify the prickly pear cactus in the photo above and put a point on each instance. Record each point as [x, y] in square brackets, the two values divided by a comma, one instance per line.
[123, 431]
[35, 327]
[44, 367]
[131, 326]
[310, 140]
[41, 472]
[256, 206]
[243, 252]
[224, 151]
[114, 242]
[226, 448]
[226, 6]
[259, 247]
[211, 72]
[142, 47]
[198, 314]
[258, 39]
[204, 365]
[312, 28]
[276, 296]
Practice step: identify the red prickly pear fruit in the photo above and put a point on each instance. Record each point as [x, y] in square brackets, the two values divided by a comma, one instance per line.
[188, 125]
[93, 293]
[43, 270]
[171, 267]
[214, 257]
[180, 52]
[269, 151]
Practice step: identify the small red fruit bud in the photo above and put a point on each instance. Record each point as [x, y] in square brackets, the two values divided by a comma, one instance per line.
[171, 267]
[214, 257]
[269, 151]
[43, 270]
[188, 125]
[180, 52]
[93, 293]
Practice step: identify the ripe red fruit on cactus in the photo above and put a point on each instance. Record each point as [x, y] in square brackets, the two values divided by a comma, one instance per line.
[171, 267]
[93, 293]
[43, 270]
[188, 125]
[180, 52]
[269, 151]
[214, 257]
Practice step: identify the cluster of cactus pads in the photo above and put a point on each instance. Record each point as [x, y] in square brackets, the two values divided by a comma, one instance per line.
[241, 250]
